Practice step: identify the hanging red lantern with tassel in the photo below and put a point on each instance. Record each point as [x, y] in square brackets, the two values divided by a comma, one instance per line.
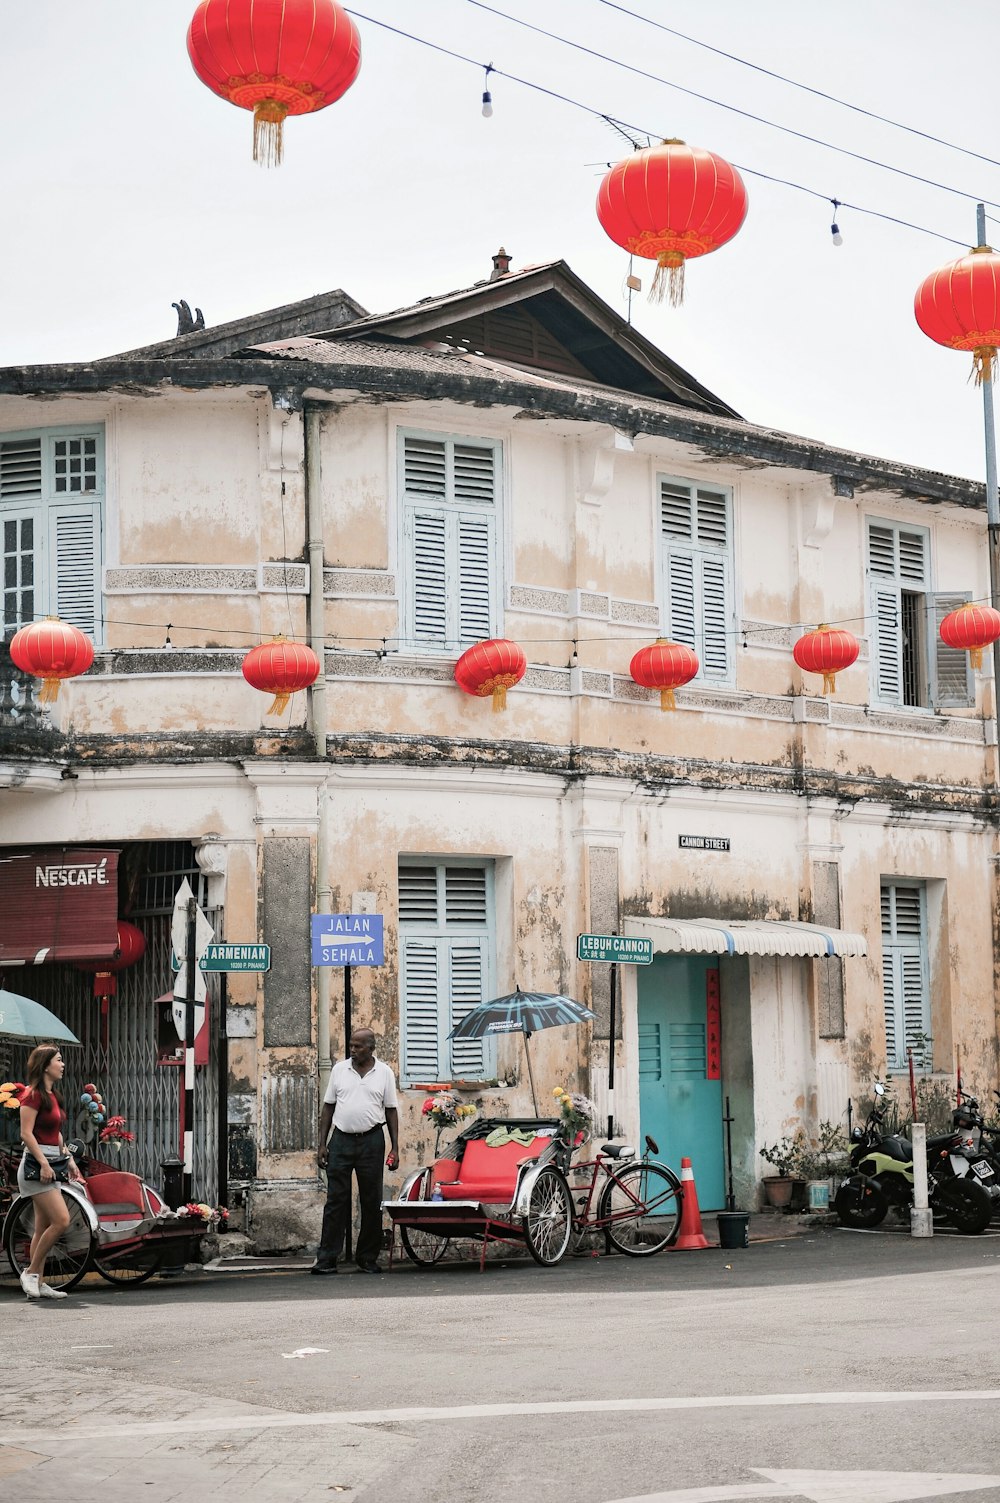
[970, 628]
[827, 650]
[130, 949]
[491, 668]
[669, 203]
[281, 668]
[51, 650]
[665, 666]
[959, 306]
[275, 57]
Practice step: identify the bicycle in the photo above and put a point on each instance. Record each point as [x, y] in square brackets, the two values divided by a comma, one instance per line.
[639, 1202]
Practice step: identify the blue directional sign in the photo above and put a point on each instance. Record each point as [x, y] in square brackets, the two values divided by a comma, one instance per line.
[347, 939]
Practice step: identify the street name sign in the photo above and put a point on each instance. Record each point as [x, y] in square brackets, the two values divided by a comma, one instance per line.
[614, 949]
[344, 939]
[236, 957]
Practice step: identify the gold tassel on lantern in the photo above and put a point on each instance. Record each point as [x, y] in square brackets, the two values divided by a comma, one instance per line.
[976, 657]
[982, 364]
[279, 704]
[49, 692]
[669, 279]
[268, 135]
[667, 700]
[497, 687]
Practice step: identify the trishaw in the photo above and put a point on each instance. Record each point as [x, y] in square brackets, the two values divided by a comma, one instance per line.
[517, 1180]
[119, 1227]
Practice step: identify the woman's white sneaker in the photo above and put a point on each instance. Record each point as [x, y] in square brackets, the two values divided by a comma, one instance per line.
[29, 1283]
[47, 1292]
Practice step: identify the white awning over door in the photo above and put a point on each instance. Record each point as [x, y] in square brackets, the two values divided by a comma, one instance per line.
[706, 936]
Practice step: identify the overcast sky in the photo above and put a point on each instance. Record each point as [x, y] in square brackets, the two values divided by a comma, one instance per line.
[128, 185]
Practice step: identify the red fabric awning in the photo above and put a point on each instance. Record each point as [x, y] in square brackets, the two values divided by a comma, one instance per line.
[58, 903]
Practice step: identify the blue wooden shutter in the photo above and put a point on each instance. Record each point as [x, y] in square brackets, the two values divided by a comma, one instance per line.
[697, 551]
[906, 995]
[74, 559]
[952, 684]
[420, 984]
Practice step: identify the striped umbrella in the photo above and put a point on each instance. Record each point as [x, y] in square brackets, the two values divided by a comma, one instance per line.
[524, 1013]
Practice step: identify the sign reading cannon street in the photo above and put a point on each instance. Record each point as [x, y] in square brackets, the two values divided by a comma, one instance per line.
[703, 842]
[615, 949]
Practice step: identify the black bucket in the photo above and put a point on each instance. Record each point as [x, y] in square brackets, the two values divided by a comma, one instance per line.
[734, 1228]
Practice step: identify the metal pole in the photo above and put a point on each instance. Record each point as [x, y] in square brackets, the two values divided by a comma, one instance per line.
[612, 1028]
[921, 1220]
[311, 439]
[222, 1128]
[992, 497]
[189, 981]
[730, 1194]
[347, 1012]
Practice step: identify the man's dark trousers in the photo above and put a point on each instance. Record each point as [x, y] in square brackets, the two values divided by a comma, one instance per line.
[360, 1154]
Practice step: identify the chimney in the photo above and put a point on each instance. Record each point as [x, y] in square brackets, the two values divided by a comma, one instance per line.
[501, 265]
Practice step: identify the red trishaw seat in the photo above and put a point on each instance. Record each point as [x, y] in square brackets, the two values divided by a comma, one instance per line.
[116, 1194]
[490, 1174]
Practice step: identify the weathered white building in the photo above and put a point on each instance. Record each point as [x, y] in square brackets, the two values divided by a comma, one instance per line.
[510, 460]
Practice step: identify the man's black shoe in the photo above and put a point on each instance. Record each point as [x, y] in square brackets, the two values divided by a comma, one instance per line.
[369, 1268]
[323, 1268]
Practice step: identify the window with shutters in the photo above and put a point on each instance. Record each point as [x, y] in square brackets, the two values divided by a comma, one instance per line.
[451, 541]
[446, 967]
[696, 569]
[51, 498]
[905, 975]
[910, 665]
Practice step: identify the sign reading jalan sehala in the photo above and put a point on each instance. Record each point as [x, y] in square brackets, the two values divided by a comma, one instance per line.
[347, 939]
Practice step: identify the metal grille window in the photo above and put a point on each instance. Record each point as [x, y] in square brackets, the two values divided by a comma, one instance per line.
[905, 975]
[446, 941]
[697, 573]
[910, 663]
[51, 499]
[451, 551]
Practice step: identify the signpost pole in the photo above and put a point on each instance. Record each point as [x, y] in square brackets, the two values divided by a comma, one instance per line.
[222, 1128]
[612, 1028]
[347, 1011]
[192, 971]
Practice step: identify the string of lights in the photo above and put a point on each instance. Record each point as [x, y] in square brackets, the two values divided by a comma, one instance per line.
[615, 121]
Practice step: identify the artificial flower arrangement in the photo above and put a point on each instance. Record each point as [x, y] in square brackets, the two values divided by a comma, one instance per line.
[445, 1110]
[114, 1133]
[576, 1113]
[10, 1095]
[197, 1210]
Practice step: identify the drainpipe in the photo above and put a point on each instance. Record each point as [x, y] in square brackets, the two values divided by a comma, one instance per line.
[318, 702]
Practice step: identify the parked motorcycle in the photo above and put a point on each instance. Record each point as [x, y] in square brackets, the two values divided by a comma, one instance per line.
[982, 1145]
[882, 1176]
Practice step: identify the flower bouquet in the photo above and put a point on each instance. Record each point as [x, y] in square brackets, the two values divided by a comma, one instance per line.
[10, 1105]
[115, 1134]
[576, 1115]
[445, 1110]
[198, 1210]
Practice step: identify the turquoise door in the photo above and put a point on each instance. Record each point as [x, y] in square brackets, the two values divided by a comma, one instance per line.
[680, 1104]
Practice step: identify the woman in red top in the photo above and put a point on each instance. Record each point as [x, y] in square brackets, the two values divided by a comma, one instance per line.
[42, 1124]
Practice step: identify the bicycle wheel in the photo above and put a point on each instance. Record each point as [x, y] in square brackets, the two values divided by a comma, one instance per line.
[548, 1224]
[128, 1269]
[68, 1261]
[423, 1248]
[641, 1204]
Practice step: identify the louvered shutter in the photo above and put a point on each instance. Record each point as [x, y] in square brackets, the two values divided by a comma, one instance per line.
[425, 467]
[952, 685]
[697, 572]
[427, 575]
[74, 554]
[889, 1001]
[20, 469]
[676, 511]
[712, 519]
[475, 579]
[473, 472]
[420, 984]
[682, 614]
[906, 995]
[887, 644]
[465, 895]
[467, 965]
[714, 652]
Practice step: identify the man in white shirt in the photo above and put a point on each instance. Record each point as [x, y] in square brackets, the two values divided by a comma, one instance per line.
[360, 1102]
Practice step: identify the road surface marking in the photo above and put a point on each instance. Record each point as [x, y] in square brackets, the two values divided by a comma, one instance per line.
[306, 1351]
[274, 1419]
[829, 1487]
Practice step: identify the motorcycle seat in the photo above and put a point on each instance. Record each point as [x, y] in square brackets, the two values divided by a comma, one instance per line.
[897, 1147]
[943, 1140]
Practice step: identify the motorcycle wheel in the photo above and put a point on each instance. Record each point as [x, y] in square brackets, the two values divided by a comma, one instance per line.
[966, 1205]
[860, 1203]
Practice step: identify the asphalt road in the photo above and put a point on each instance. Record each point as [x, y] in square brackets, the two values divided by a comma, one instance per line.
[777, 1371]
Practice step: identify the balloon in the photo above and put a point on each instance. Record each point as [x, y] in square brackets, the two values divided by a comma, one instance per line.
[86, 1097]
[99, 1118]
[91, 1089]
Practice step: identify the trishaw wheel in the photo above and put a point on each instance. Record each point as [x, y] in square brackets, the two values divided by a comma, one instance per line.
[129, 1269]
[424, 1248]
[642, 1207]
[548, 1225]
[68, 1261]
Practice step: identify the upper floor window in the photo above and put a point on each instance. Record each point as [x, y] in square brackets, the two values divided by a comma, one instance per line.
[696, 566]
[905, 975]
[910, 664]
[446, 943]
[51, 496]
[451, 541]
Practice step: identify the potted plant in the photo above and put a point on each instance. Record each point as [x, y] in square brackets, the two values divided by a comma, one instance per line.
[785, 1156]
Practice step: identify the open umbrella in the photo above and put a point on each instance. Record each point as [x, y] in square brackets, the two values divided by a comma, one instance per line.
[21, 1018]
[524, 1013]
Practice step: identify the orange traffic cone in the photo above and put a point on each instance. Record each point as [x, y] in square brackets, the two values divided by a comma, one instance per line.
[691, 1235]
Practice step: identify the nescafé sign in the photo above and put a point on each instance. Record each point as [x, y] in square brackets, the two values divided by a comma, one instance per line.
[58, 903]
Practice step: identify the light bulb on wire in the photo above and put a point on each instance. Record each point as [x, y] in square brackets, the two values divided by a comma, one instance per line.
[487, 96]
[835, 234]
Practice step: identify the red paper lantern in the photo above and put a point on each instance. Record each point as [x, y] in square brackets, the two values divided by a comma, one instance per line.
[664, 666]
[827, 650]
[669, 203]
[959, 306]
[970, 629]
[275, 57]
[131, 948]
[51, 650]
[281, 668]
[491, 668]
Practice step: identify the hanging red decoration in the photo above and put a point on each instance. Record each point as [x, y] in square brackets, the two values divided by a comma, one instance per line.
[970, 629]
[51, 650]
[959, 306]
[131, 948]
[275, 57]
[491, 668]
[281, 668]
[669, 203]
[827, 650]
[664, 666]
